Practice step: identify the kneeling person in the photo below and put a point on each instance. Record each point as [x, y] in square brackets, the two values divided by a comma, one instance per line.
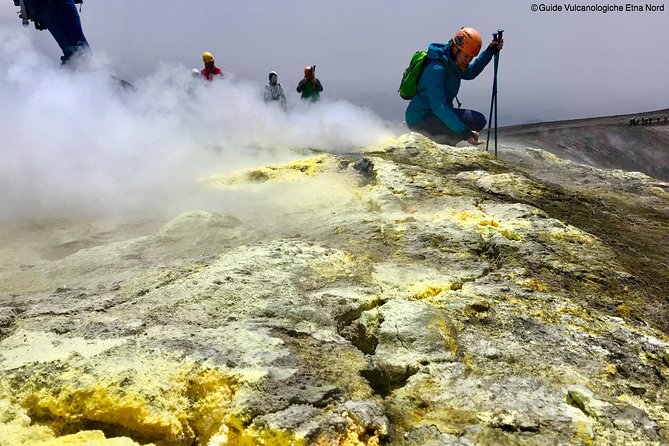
[431, 111]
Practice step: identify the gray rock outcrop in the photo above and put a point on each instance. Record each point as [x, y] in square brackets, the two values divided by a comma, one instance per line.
[429, 295]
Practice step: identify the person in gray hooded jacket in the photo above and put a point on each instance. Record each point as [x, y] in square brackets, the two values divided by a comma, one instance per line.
[274, 90]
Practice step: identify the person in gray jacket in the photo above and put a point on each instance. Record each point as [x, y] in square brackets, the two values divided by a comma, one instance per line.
[274, 90]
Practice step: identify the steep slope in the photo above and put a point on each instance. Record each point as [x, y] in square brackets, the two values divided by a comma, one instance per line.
[608, 142]
[415, 295]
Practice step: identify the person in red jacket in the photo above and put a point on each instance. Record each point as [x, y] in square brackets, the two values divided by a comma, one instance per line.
[210, 69]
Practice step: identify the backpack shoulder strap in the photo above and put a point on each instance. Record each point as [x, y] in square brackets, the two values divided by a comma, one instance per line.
[456, 98]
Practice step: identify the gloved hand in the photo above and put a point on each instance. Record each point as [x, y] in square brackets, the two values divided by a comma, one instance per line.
[496, 46]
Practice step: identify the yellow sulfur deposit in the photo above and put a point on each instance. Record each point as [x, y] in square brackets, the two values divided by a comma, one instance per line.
[533, 284]
[336, 266]
[429, 291]
[211, 393]
[88, 438]
[107, 403]
[16, 428]
[658, 192]
[171, 402]
[484, 224]
[291, 172]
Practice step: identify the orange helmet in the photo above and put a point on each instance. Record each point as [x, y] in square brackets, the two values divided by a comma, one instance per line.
[308, 69]
[468, 40]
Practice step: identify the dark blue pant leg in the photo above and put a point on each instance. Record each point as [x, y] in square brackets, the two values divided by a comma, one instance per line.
[471, 118]
[62, 20]
[436, 130]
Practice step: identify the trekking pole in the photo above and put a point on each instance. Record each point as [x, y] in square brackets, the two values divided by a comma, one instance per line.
[495, 83]
[493, 100]
[492, 103]
[24, 13]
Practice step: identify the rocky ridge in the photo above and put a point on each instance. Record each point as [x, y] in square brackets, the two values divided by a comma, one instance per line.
[414, 294]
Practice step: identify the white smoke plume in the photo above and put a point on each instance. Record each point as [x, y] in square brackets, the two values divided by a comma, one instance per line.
[75, 142]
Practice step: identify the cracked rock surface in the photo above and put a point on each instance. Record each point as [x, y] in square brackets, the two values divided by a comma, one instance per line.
[421, 295]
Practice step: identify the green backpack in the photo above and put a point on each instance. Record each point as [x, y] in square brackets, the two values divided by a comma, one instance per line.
[409, 85]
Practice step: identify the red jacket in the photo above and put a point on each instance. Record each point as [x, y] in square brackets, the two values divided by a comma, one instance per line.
[209, 75]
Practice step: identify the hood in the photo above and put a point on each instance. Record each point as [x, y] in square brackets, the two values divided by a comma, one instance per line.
[441, 51]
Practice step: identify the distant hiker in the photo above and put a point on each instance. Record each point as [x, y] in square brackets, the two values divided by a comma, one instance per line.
[195, 81]
[633, 121]
[274, 90]
[431, 111]
[210, 69]
[310, 87]
[665, 119]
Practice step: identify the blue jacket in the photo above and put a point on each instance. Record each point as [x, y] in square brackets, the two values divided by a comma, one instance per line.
[439, 84]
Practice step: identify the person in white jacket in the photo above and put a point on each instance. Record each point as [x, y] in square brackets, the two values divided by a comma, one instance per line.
[274, 90]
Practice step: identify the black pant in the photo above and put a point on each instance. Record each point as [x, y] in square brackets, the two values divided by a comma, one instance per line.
[437, 131]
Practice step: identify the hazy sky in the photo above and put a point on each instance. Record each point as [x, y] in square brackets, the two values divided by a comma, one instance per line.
[555, 65]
